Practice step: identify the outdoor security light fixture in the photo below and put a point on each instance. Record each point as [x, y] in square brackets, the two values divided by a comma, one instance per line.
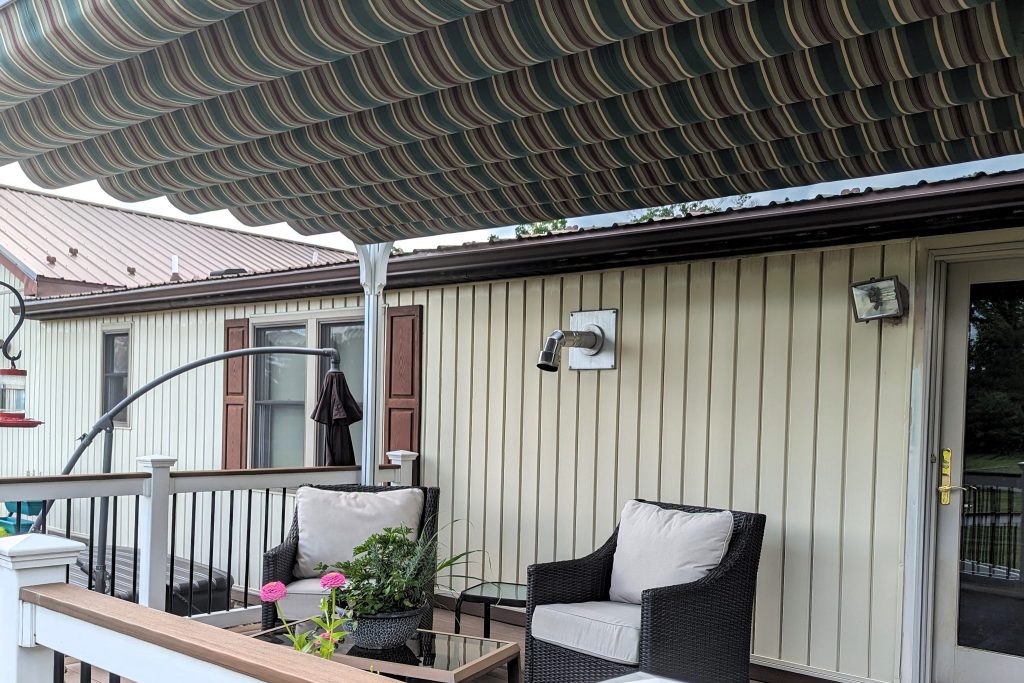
[879, 299]
[590, 339]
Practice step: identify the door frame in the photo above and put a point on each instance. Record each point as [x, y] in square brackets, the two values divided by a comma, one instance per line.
[917, 652]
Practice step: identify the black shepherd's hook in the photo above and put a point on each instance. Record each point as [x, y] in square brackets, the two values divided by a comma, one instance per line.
[6, 348]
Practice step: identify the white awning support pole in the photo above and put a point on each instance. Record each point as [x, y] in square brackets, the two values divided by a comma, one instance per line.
[373, 275]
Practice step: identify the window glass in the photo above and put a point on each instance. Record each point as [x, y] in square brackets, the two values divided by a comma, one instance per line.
[279, 399]
[347, 339]
[116, 353]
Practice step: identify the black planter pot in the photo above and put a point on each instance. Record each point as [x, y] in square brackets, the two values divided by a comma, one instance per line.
[387, 630]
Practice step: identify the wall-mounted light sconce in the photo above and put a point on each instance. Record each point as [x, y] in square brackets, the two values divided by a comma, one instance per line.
[879, 299]
[590, 339]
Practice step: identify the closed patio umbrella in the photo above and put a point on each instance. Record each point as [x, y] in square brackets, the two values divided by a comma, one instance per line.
[337, 409]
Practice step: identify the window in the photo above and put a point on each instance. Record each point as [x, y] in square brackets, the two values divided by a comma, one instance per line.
[116, 350]
[279, 399]
[347, 339]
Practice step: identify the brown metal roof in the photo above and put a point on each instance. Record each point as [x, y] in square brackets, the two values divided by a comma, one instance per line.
[981, 202]
[73, 241]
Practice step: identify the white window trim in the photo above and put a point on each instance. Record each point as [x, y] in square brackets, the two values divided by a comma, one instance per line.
[313, 320]
[119, 327]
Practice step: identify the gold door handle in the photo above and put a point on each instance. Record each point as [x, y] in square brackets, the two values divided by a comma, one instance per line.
[946, 475]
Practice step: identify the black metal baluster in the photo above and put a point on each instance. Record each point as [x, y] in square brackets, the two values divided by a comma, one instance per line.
[92, 549]
[58, 667]
[113, 678]
[67, 534]
[209, 566]
[992, 513]
[135, 554]
[17, 517]
[231, 541]
[85, 673]
[113, 546]
[174, 549]
[192, 556]
[248, 551]
[284, 507]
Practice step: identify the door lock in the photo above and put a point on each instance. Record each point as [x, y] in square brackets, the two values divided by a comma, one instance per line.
[945, 487]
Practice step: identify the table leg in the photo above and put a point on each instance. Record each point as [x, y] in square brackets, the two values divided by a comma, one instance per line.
[487, 620]
[458, 615]
[513, 670]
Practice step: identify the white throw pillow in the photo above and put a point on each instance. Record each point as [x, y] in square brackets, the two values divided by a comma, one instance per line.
[333, 523]
[658, 547]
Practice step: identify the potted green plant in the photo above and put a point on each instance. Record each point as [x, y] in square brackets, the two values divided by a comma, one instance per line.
[388, 583]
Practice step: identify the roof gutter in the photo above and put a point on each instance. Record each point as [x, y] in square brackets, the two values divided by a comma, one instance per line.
[950, 207]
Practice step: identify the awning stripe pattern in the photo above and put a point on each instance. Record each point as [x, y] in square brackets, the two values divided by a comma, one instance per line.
[386, 119]
[890, 162]
[44, 45]
[683, 51]
[627, 119]
[459, 52]
[278, 38]
[595, 170]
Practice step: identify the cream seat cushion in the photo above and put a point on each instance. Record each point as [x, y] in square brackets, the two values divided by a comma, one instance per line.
[303, 599]
[658, 547]
[333, 523]
[609, 630]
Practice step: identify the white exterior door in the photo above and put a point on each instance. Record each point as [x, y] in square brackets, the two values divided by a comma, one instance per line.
[979, 600]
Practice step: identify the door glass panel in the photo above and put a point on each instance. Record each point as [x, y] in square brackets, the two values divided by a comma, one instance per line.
[347, 339]
[991, 610]
[279, 402]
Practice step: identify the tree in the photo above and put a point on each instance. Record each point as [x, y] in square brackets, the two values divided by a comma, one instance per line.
[541, 227]
[690, 208]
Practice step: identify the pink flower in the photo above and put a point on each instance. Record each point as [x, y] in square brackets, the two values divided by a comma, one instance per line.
[332, 581]
[330, 637]
[273, 591]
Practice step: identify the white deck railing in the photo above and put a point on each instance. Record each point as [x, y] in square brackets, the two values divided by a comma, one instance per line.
[43, 616]
[223, 519]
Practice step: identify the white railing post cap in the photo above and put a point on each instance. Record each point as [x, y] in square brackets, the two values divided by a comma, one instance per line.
[155, 461]
[402, 457]
[31, 551]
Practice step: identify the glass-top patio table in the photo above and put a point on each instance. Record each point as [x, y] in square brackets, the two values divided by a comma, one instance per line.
[427, 656]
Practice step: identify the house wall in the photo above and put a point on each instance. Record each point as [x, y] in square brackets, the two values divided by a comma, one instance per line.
[741, 383]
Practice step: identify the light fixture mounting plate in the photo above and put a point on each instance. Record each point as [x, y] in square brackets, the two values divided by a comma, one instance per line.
[607, 321]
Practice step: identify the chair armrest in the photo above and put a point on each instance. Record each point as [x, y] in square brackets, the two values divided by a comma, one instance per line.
[581, 580]
[279, 562]
[278, 565]
[699, 632]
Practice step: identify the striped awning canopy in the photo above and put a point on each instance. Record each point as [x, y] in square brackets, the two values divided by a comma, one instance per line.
[387, 119]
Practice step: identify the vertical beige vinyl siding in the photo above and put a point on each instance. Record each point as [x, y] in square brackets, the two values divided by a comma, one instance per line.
[740, 383]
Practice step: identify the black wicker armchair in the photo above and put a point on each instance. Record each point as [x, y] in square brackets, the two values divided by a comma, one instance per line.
[697, 632]
[279, 562]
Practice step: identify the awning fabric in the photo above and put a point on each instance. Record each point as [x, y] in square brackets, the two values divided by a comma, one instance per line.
[386, 119]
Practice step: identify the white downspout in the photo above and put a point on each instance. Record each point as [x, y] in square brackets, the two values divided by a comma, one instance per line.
[373, 275]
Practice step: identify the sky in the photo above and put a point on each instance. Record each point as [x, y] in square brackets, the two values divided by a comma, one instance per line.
[91, 191]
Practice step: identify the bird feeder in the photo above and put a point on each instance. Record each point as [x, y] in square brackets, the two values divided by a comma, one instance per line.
[12, 399]
[12, 380]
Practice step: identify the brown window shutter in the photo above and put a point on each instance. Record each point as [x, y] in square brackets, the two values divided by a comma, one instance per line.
[403, 344]
[236, 396]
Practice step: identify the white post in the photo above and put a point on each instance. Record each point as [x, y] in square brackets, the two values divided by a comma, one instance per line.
[407, 461]
[373, 274]
[28, 560]
[154, 516]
